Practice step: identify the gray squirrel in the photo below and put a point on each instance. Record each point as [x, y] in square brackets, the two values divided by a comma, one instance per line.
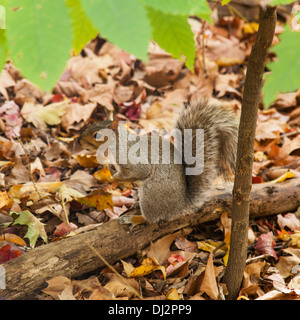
[165, 189]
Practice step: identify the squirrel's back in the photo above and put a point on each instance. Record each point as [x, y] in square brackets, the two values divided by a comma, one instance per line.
[220, 132]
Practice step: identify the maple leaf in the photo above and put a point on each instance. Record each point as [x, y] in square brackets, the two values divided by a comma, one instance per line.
[41, 115]
[35, 226]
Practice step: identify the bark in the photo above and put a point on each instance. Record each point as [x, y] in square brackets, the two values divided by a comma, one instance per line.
[72, 256]
[242, 185]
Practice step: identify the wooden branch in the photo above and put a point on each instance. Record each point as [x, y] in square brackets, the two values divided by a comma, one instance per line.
[72, 257]
[233, 276]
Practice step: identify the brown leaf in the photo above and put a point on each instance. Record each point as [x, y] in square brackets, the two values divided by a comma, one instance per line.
[288, 220]
[77, 115]
[209, 283]
[57, 285]
[160, 249]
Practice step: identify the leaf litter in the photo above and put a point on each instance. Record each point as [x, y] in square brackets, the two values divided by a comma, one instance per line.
[51, 187]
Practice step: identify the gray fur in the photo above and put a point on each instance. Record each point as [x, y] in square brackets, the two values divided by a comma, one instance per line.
[164, 190]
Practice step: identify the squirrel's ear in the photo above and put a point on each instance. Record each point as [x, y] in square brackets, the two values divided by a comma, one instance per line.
[110, 116]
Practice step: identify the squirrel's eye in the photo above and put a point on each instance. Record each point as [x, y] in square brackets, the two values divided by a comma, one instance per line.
[97, 135]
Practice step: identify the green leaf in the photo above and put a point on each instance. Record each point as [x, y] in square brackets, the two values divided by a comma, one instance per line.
[224, 2]
[35, 226]
[280, 2]
[83, 29]
[182, 7]
[124, 23]
[173, 33]
[39, 39]
[3, 48]
[285, 71]
[2, 17]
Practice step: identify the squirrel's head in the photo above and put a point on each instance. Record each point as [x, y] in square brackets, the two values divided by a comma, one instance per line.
[91, 138]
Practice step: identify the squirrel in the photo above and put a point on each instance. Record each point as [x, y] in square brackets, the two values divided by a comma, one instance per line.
[167, 190]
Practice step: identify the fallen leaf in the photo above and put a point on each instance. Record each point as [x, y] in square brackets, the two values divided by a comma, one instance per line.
[102, 200]
[6, 253]
[268, 130]
[291, 147]
[64, 228]
[265, 244]
[103, 175]
[160, 249]
[122, 287]
[148, 266]
[251, 278]
[209, 283]
[173, 294]
[128, 268]
[10, 114]
[286, 263]
[86, 160]
[57, 285]
[5, 200]
[41, 115]
[287, 175]
[35, 226]
[36, 165]
[77, 115]
[296, 238]
[288, 220]
[13, 238]
[66, 194]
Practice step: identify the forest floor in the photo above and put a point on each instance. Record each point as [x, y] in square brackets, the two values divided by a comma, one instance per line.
[51, 187]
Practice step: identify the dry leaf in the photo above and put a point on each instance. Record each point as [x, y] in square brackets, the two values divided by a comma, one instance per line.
[41, 115]
[288, 220]
[172, 294]
[265, 244]
[57, 285]
[13, 238]
[209, 284]
[122, 287]
[160, 249]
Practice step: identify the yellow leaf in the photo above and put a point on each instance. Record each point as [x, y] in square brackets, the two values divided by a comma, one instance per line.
[13, 238]
[296, 238]
[283, 177]
[101, 201]
[103, 175]
[210, 245]
[251, 27]
[6, 163]
[34, 192]
[66, 194]
[284, 235]
[39, 115]
[5, 199]
[148, 265]
[142, 270]
[172, 294]
[227, 241]
[86, 160]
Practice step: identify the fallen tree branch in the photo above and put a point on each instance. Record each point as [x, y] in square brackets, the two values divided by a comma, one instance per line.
[71, 257]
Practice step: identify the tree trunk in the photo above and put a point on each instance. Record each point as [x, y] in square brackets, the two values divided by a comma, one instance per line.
[72, 257]
[245, 151]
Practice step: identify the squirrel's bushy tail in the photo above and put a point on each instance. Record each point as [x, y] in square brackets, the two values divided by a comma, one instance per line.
[220, 127]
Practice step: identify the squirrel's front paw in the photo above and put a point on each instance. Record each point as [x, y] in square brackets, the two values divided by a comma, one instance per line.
[132, 220]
